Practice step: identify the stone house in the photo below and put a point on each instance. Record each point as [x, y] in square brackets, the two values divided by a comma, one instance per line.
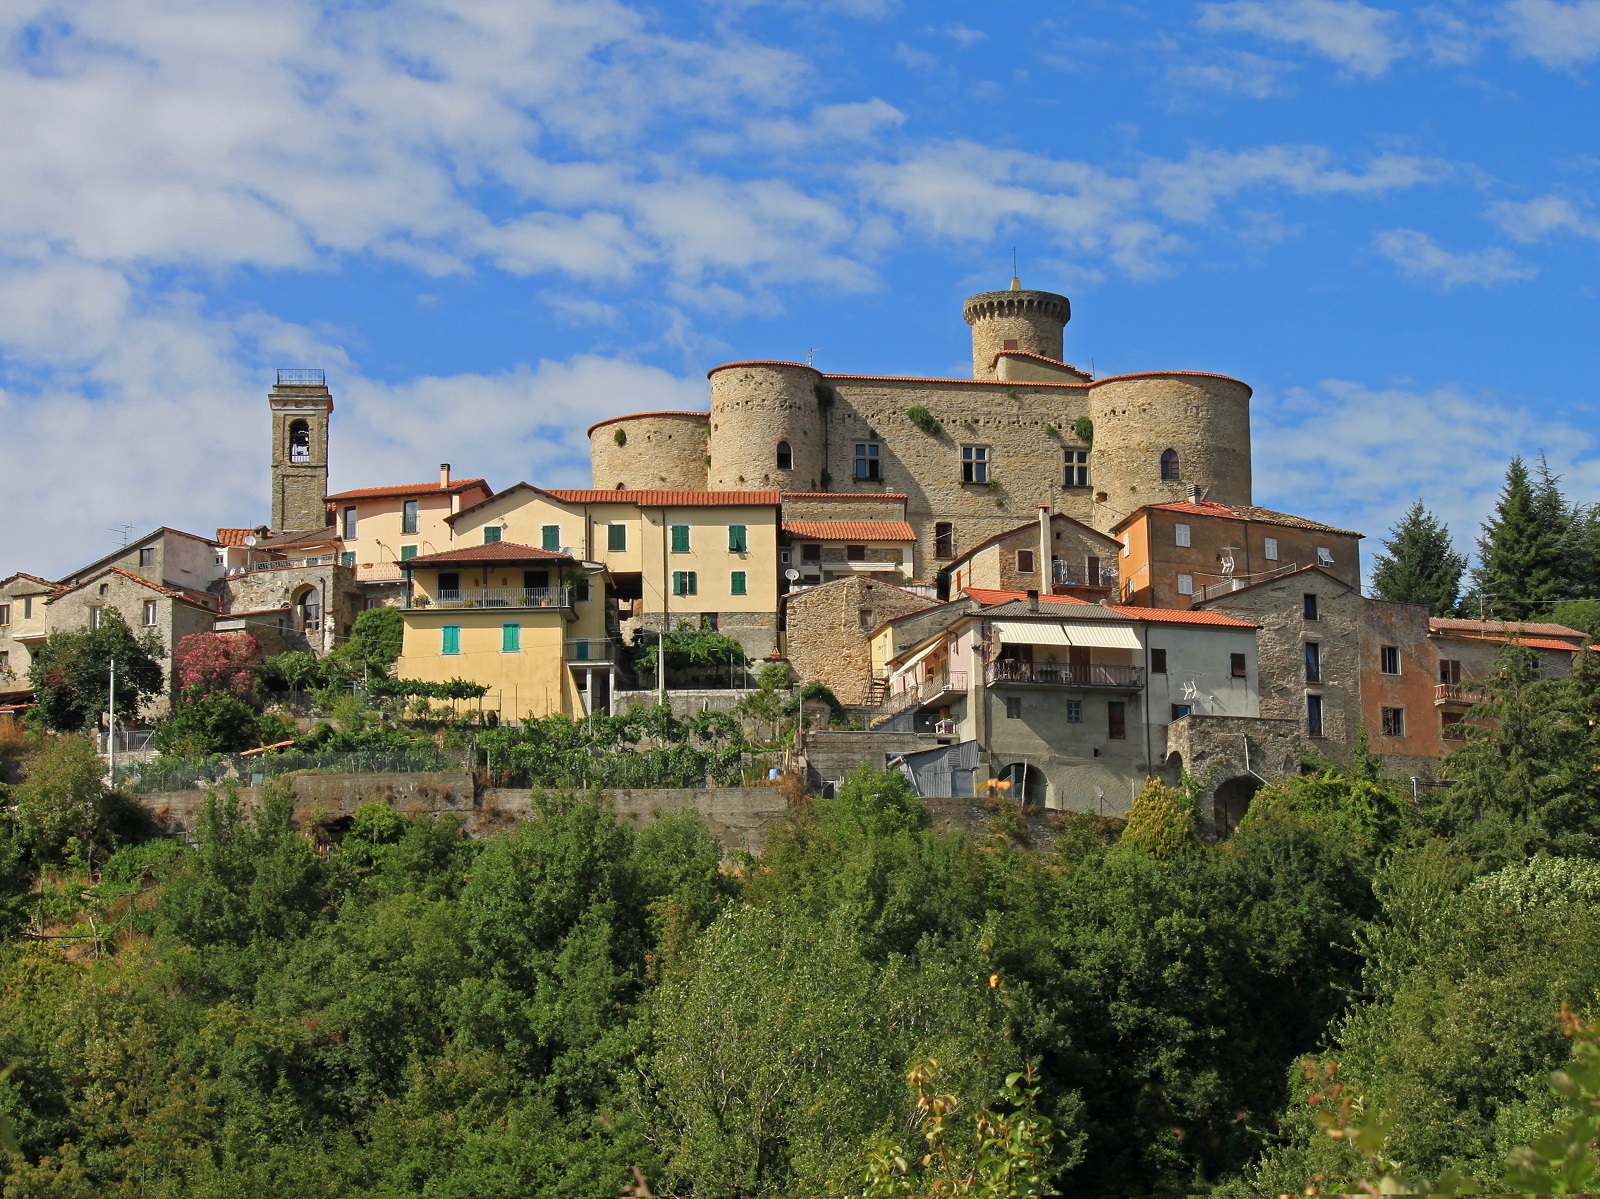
[1467, 651]
[1399, 663]
[306, 605]
[1054, 555]
[828, 632]
[171, 613]
[22, 626]
[1175, 554]
[169, 557]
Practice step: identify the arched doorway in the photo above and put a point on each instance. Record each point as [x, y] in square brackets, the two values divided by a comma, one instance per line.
[308, 610]
[1028, 784]
[1232, 801]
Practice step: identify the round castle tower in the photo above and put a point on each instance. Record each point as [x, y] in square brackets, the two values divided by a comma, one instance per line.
[1030, 322]
[759, 410]
[650, 450]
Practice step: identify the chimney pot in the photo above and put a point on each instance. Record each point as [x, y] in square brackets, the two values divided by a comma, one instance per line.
[444, 476]
[1033, 601]
[1194, 496]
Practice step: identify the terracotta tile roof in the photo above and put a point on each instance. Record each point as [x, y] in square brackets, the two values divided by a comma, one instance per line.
[1045, 358]
[988, 599]
[188, 595]
[22, 574]
[235, 537]
[1265, 516]
[1111, 542]
[670, 499]
[846, 495]
[495, 551]
[1275, 576]
[851, 530]
[1001, 383]
[728, 366]
[402, 489]
[1526, 642]
[611, 420]
[1500, 628]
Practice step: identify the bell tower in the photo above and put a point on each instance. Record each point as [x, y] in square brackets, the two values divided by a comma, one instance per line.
[301, 405]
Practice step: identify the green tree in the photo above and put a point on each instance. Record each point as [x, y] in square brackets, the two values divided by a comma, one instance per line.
[1419, 564]
[219, 723]
[1521, 563]
[1161, 821]
[375, 641]
[63, 807]
[70, 673]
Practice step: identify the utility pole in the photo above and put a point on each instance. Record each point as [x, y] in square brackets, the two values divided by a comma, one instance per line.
[111, 725]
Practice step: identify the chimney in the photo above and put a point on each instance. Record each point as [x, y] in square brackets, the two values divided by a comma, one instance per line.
[1194, 496]
[1046, 574]
[444, 476]
[1033, 601]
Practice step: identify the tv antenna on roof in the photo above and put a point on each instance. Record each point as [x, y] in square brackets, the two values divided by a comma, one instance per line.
[125, 531]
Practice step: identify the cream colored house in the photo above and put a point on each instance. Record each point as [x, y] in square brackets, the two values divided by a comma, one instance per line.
[379, 528]
[528, 623]
[708, 557]
[22, 627]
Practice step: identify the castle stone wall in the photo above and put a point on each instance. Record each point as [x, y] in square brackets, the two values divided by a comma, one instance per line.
[659, 450]
[756, 405]
[1032, 319]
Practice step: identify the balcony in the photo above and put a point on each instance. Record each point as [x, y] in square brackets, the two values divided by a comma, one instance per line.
[496, 597]
[1231, 583]
[1116, 678]
[1463, 695]
[598, 651]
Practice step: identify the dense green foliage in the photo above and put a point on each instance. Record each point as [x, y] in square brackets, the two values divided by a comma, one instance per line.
[1419, 565]
[385, 1007]
[71, 673]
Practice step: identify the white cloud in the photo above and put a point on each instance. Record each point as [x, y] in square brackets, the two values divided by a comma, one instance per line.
[1368, 452]
[1357, 37]
[1236, 74]
[1558, 35]
[1533, 220]
[1420, 257]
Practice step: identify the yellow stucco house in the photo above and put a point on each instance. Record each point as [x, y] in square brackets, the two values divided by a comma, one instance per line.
[529, 624]
[707, 557]
[380, 529]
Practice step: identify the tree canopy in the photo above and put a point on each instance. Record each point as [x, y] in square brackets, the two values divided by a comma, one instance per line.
[71, 673]
[1419, 565]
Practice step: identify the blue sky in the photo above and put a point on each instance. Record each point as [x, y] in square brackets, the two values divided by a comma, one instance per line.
[496, 222]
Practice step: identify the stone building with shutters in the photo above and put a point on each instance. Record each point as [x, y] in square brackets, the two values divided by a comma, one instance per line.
[971, 457]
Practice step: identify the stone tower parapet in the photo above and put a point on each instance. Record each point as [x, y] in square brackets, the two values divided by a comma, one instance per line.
[1203, 419]
[651, 450]
[756, 409]
[301, 405]
[1031, 321]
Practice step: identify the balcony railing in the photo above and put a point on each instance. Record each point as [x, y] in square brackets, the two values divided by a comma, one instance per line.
[1457, 693]
[600, 650]
[1239, 582]
[301, 377]
[496, 597]
[1007, 670]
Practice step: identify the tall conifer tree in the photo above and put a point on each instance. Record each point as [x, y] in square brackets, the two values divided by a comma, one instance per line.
[1419, 564]
[1521, 553]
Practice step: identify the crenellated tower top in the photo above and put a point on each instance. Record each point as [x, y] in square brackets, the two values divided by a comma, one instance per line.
[1029, 322]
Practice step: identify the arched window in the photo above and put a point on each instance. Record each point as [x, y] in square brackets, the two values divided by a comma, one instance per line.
[785, 456]
[299, 441]
[308, 607]
[1169, 466]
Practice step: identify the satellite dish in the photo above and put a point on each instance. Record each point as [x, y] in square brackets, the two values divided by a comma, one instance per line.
[250, 541]
[791, 574]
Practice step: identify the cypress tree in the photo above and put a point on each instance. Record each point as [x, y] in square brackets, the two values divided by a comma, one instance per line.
[1521, 558]
[1419, 564]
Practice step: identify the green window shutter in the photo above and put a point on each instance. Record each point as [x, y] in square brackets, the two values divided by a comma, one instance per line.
[693, 583]
[679, 581]
[552, 537]
[510, 638]
[407, 552]
[491, 534]
[616, 538]
[680, 539]
[451, 640]
[580, 650]
[738, 583]
[348, 558]
[738, 539]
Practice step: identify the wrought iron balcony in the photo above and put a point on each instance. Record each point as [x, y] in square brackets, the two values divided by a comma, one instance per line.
[495, 597]
[1122, 678]
[1460, 694]
[301, 377]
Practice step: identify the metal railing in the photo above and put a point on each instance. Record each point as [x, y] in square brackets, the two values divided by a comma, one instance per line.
[1457, 693]
[591, 649]
[496, 597]
[1239, 582]
[188, 774]
[301, 376]
[1008, 670]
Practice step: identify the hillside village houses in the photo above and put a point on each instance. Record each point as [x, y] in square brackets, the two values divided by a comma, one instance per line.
[1030, 575]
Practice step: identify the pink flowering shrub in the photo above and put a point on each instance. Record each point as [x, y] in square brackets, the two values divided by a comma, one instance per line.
[217, 663]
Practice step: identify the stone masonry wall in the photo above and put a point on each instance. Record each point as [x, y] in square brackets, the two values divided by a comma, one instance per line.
[281, 587]
[1032, 319]
[829, 638]
[661, 450]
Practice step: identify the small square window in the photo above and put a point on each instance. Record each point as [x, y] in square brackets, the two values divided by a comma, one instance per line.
[147, 556]
[1158, 661]
[408, 518]
[1179, 711]
[1181, 534]
[491, 534]
[1394, 722]
[1389, 659]
[407, 552]
[680, 539]
[855, 553]
[685, 582]
[974, 464]
[1269, 549]
[1185, 584]
[1013, 707]
[737, 583]
[150, 614]
[105, 588]
[1324, 556]
[511, 639]
[348, 558]
[1025, 562]
[550, 538]
[811, 553]
[1309, 607]
[1074, 711]
[616, 539]
[738, 539]
[1237, 667]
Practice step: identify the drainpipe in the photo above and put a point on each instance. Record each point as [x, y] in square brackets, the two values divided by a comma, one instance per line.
[1047, 575]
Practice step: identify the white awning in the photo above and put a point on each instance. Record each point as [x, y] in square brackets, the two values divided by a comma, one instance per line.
[917, 657]
[1027, 632]
[1102, 636]
[1079, 633]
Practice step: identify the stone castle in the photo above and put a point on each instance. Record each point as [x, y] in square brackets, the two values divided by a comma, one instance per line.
[973, 456]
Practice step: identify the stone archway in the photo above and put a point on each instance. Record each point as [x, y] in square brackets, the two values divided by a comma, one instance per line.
[1231, 801]
[1028, 784]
